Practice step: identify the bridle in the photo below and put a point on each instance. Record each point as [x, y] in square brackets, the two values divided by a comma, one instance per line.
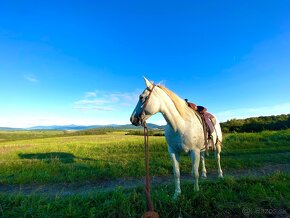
[142, 114]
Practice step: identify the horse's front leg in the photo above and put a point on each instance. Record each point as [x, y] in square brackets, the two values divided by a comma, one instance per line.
[203, 169]
[195, 158]
[175, 162]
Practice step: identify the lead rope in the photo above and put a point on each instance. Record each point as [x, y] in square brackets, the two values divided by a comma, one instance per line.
[150, 209]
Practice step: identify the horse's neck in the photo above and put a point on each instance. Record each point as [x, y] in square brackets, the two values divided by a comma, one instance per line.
[170, 113]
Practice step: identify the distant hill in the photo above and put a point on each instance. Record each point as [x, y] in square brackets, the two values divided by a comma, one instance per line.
[78, 127]
[253, 124]
[65, 127]
[9, 129]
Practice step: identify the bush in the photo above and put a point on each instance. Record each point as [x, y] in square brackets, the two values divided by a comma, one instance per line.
[257, 124]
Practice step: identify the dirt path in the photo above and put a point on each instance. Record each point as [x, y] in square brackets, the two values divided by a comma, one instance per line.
[128, 183]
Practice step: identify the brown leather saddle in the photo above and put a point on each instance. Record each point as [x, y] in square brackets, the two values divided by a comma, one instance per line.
[208, 122]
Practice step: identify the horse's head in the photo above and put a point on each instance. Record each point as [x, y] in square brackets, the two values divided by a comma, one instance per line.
[147, 105]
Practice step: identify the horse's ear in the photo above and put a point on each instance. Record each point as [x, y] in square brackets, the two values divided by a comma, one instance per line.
[148, 83]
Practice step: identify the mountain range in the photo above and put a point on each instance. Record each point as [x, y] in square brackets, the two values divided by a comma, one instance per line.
[79, 127]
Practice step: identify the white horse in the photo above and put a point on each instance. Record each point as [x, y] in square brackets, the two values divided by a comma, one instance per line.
[183, 132]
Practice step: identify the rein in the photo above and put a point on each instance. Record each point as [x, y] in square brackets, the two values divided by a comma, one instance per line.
[150, 209]
[147, 178]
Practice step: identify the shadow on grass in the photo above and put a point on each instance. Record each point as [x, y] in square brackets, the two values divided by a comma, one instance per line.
[49, 157]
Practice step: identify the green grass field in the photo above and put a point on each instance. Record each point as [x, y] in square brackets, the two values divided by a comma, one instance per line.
[50, 157]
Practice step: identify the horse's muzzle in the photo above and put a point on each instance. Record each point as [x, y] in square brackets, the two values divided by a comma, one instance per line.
[135, 120]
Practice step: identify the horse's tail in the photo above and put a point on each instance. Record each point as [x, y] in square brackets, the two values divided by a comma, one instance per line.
[219, 134]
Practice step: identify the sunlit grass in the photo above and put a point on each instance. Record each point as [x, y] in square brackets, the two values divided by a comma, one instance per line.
[115, 155]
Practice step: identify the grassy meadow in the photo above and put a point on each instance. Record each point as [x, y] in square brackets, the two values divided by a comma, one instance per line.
[56, 157]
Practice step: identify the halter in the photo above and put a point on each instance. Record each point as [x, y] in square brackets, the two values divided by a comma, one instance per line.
[142, 114]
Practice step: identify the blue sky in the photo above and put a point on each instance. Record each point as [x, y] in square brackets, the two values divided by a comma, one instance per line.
[82, 62]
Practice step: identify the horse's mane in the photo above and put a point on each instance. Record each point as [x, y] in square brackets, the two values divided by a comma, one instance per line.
[178, 102]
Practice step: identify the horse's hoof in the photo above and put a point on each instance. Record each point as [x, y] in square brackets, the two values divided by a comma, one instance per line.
[150, 214]
[203, 176]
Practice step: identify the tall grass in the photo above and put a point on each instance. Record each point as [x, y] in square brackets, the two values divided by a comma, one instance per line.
[115, 155]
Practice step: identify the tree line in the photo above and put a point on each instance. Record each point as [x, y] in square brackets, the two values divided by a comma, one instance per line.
[257, 124]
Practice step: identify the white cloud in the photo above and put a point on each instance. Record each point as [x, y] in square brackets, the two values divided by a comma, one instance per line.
[241, 113]
[105, 101]
[31, 78]
[91, 102]
[90, 94]
[92, 107]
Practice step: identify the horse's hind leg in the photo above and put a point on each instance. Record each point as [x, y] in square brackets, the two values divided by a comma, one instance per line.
[203, 169]
[175, 162]
[195, 158]
[218, 159]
